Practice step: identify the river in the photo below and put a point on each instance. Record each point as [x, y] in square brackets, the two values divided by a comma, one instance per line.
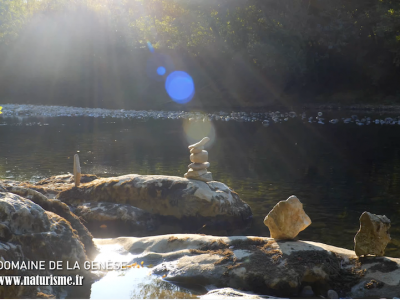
[338, 171]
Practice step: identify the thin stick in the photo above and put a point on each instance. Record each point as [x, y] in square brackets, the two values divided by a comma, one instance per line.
[77, 170]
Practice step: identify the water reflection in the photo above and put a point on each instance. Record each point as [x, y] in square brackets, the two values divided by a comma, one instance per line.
[135, 282]
[337, 171]
[114, 253]
[160, 289]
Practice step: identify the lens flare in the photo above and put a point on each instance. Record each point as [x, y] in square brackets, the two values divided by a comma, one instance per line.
[161, 71]
[180, 87]
[150, 46]
[196, 130]
[158, 65]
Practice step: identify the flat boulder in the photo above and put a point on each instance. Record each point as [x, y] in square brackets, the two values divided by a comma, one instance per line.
[175, 203]
[263, 266]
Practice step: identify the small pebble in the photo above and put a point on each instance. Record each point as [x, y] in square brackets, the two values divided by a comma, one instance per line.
[307, 292]
[332, 295]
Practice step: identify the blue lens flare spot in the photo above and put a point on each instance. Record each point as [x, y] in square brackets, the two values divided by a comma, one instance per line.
[158, 65]
[150, 47]
[180, 86]
[160, 71]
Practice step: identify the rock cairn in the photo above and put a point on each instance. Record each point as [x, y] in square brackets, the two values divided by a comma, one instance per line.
[287, 219]
[198, 157]
[373, 235]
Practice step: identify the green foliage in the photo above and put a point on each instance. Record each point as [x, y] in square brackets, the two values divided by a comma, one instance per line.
[12, 16]
[295, 44]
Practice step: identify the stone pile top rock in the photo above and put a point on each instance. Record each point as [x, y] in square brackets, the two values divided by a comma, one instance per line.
[200, 144]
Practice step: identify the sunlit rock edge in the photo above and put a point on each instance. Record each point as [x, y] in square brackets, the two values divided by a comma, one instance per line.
[263, 265]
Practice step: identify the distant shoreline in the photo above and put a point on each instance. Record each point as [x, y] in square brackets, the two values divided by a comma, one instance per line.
[33, 110]
[354, 107]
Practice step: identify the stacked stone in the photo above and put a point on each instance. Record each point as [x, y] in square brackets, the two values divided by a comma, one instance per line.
[198, 157]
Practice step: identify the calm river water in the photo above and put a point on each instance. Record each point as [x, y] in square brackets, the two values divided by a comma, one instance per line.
[338, 171]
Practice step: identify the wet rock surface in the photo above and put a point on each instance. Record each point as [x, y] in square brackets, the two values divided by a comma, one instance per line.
[262, 265]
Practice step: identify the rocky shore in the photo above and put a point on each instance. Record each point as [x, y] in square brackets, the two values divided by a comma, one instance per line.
[266, 116]
[54, 220]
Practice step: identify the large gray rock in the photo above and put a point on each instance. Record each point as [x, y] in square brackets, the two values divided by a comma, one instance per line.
[29, 233]
[60, 209]
[182, 203]
[373, 236]
[261, 265]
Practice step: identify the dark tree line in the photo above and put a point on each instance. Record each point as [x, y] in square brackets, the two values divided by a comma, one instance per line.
[240, 53]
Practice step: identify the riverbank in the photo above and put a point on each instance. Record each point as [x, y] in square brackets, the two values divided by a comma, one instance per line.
[260, 114]
[257, 264]
[376, 108]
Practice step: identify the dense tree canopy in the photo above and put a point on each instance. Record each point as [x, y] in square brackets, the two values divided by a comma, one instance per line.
[239, 52]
